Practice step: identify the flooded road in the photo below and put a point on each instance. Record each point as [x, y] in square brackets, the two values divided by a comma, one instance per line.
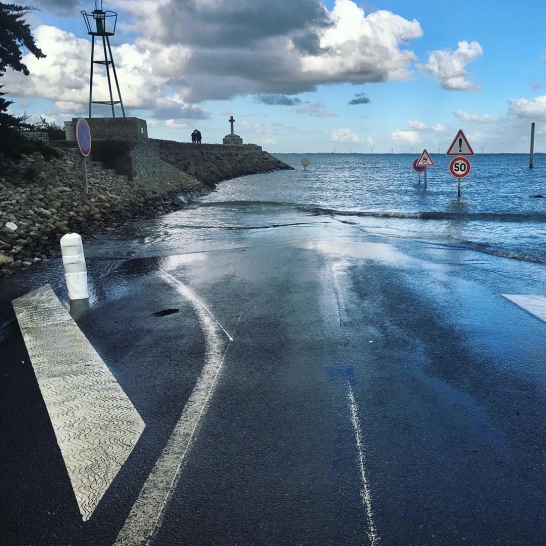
[299, 381]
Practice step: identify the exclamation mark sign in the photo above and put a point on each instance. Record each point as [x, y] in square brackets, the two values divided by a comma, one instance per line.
[460, 145]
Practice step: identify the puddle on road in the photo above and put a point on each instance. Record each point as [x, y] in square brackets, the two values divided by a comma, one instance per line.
[380, 252]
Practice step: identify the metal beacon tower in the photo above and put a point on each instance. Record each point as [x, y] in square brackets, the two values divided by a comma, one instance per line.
[103, 23]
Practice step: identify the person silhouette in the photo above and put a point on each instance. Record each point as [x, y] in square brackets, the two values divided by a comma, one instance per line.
[199, 137]
[194, 136]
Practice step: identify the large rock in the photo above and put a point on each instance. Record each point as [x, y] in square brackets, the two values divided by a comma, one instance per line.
[4, 260]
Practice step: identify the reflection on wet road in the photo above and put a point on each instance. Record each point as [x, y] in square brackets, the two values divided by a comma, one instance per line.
[303, 380]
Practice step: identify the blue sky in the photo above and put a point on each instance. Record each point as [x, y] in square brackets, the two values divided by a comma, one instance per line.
[415, 70]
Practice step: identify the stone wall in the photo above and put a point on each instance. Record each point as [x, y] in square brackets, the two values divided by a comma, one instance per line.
[211, 163]
[178, 147]
[146, 159]
[126, 129]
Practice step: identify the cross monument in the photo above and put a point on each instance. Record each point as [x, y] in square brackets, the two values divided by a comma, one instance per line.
[232, 139]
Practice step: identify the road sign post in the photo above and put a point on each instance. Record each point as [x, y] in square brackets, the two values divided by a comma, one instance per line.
[425, 161]
[460, 146]
[418, 168]
[459, 168]
[83, 134]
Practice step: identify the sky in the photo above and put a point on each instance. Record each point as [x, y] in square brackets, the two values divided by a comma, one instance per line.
[302, 75]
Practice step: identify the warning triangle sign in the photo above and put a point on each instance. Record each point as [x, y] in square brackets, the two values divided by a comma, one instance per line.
[425, 160]
[460, 145]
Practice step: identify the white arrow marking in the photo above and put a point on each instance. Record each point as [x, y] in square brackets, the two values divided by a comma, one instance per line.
[95, 423]
[536, 305]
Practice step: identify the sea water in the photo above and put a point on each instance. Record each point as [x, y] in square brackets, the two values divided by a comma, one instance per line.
[501, 209]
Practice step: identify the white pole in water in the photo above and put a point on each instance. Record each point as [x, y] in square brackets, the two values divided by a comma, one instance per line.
[75, 271]
[532, 145]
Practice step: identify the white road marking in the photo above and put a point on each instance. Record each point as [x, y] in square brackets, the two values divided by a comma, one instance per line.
[95, 423]
[147, 513]
[536, 305]
[189, 295]
[365, 493]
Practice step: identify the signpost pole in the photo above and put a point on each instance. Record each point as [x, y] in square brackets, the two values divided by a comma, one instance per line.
[422, 163]
[460, 166]
[83, 135]
[84, 175]
[532, 145]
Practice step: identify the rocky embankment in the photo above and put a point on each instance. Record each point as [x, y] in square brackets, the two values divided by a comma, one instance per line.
[41, 200]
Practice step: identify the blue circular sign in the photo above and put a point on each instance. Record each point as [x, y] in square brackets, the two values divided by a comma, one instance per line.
[83, 134]
[418, 168]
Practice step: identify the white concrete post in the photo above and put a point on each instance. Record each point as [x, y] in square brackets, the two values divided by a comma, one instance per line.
[75, 271]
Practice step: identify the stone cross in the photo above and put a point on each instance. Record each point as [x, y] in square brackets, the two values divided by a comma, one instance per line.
[232, 121]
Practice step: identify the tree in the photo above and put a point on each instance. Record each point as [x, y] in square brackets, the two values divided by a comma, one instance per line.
[54, 131]
[14, 36]
[10, 136]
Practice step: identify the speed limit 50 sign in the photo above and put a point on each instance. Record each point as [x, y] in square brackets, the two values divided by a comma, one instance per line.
[459, 167]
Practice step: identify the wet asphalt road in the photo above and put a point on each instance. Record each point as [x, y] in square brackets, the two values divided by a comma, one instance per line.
[373, 391]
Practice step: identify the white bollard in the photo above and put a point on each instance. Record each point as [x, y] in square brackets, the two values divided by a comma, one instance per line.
[75, 271]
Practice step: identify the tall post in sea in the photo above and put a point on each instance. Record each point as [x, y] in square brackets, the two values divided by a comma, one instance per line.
[532, 145]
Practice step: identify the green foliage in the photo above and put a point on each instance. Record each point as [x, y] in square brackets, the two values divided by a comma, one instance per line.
[10, 127]
[14, 36]
[31, 146]
[54, 131]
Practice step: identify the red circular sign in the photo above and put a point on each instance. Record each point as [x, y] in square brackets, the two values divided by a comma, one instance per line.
[83, 134]
[418, 168]
[459, 167]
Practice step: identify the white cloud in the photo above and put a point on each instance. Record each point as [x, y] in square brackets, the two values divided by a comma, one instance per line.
[449, 68]
[63, 76]
[407, 137]
[316, 109]
[175, 123]
[262, 47]
[362, 48]
[66, 81]
[266, 142]
[256, 128]
[345, 135]
[473, 118]
[420, 126]
[524, 108]
[218, 49]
